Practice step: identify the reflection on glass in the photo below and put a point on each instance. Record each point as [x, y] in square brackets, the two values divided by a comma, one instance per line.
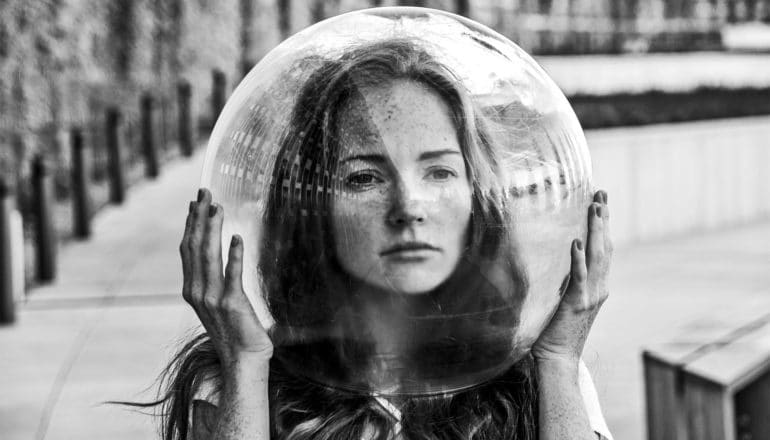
[407, 184]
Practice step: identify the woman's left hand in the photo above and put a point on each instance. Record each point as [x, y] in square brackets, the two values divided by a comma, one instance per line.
[564, 337]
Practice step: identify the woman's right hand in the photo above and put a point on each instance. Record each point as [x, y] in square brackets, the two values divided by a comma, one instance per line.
[218, 298]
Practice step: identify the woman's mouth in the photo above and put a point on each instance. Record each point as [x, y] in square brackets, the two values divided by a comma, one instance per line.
[410, 250]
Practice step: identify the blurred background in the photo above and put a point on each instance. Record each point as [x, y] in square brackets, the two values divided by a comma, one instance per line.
[105, 107]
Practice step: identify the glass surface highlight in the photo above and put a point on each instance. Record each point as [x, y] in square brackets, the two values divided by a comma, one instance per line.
[407, 183]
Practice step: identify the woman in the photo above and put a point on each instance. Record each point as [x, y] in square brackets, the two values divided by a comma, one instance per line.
[336, 161]
[401, 201]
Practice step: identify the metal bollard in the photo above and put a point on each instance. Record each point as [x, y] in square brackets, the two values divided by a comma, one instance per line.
[7, 303]
[186, 127]
[149, 146]
[81, 202]
[115, 166]
[45, 243]
[463, 7]
[218, 94]
[246, 66]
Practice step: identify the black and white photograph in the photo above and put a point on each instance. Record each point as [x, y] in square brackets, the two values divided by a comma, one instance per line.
[385, 220]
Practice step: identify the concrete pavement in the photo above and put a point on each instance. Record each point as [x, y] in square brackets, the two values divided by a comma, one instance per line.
[105, 329]
[673, 290]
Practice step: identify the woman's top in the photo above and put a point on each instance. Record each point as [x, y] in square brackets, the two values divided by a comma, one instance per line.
[208, 391]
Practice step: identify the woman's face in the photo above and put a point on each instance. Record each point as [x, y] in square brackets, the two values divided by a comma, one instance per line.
[402, 218]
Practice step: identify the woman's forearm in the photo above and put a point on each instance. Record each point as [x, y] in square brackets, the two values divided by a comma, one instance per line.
[243, 411]
[562, 414]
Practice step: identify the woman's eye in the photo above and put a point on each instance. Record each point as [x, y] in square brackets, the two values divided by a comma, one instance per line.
[442, 174]
[362, 180]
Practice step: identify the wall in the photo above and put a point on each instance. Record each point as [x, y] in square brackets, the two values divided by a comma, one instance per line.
[676, 179]
[62, 63]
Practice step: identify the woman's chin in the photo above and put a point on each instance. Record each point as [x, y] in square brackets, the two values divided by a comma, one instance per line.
[408, 285]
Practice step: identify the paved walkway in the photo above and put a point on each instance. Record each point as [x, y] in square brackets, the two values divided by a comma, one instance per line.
[105, 329]
[107, 326]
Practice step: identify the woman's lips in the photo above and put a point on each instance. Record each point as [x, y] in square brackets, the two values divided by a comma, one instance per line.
[410, 250]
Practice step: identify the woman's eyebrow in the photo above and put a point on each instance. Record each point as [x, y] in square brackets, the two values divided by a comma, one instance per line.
[377, 158]
[437, 153]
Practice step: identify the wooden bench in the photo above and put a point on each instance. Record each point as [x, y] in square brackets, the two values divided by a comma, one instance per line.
[716, 389]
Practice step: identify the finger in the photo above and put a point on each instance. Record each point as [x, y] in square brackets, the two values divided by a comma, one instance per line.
[606, 224]
[195, 242]
[595, 241]
[234, 269]
[578, 270]
[599, 196]
[184, 253]
[212, 252]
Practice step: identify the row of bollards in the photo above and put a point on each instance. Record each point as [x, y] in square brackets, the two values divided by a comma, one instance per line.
[45, 244]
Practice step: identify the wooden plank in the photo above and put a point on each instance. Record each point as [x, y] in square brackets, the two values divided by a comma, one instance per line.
[752, 409]
[704, 409]
[665, 419]
[739, 361]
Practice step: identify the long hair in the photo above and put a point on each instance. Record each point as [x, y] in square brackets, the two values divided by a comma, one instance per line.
[297, 259]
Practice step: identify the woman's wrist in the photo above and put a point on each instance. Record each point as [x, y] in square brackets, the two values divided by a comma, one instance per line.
[561, 365]
[562, 412]
[244, 409]
[246, 368]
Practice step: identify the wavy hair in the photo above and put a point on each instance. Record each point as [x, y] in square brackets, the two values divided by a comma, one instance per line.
[298, 257]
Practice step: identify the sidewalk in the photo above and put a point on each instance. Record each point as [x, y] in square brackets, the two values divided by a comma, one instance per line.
[108, 325]
[663, 291]
[105, 329]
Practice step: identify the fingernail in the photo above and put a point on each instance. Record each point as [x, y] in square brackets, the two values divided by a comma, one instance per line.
[192, 205]
[235, 241]
[200, 195]
[598, 211]
[579, 244]
[604, 196]
[212, 210]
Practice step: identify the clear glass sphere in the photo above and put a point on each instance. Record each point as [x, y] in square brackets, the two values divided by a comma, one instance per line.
[407, 183]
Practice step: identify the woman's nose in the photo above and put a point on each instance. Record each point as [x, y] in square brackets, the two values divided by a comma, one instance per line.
[408, 205]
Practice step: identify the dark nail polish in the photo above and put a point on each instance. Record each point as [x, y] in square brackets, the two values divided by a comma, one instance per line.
[234, 241]
[579, 244]
[192, 205]
[200, 195]
[212, 210]
[604, 196]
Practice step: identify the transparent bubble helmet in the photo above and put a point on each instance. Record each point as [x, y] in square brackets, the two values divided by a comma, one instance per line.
[407, 183]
